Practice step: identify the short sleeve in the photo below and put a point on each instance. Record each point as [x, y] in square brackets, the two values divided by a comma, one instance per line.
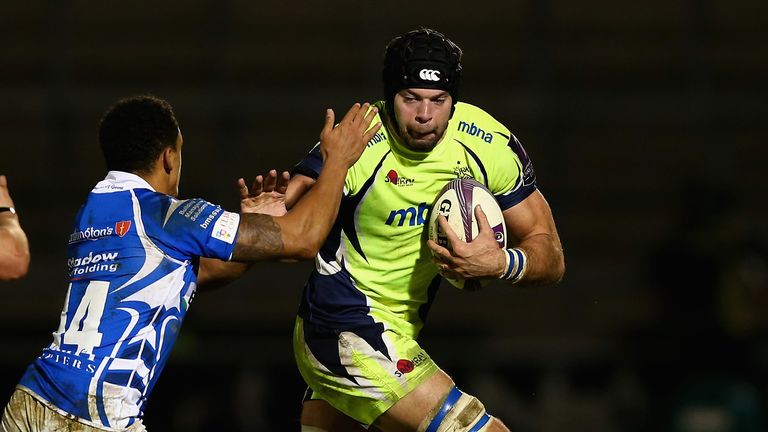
[311, 165]
[196, 227]
[511, 175]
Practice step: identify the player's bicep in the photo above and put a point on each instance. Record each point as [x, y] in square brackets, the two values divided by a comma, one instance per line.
[532, 216]
[297, 187]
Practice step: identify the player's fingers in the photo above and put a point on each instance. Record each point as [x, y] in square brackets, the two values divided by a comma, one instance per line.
[371, 132]
[453, 239]
[369, 116]
[258, 185]
[330, 118]
[270, 181]
[350, 115]
[282, 182]
[360, 116]
[366, 123]
[242, 188]
[3, 181]
[439, 253]
[482, 220]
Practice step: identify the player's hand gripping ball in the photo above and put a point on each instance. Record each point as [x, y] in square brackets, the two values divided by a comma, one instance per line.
[456, 201]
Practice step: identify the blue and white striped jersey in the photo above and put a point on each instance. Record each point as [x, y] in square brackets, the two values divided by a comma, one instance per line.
[133, 259]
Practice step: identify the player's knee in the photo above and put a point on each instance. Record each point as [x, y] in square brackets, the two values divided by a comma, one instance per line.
[460, 412]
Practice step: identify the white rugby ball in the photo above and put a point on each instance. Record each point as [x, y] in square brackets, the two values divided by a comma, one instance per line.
[457, 201]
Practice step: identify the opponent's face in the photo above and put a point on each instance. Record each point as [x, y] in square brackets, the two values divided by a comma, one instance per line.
[422, 116]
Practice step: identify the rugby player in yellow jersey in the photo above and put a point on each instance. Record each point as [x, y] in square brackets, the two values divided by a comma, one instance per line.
[376, 275]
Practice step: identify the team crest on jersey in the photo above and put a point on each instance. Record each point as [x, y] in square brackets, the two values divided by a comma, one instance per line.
[462, 172]
[395, 179]
[122, 227]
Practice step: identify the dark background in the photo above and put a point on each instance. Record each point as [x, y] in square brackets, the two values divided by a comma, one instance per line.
[646, 122]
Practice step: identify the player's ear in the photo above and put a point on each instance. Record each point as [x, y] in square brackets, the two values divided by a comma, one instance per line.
[169, 159]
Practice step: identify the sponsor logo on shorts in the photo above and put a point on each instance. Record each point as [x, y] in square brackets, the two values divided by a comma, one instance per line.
[397, 180]
[405, 366]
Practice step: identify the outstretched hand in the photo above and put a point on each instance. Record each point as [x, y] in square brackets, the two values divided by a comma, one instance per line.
[346, 142]
[480, 258]
[267, 194]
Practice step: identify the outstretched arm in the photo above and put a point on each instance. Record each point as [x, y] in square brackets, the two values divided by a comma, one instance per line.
[14, 247]
[297, 188]
[301, 232]
[531, 229]
[266, 196]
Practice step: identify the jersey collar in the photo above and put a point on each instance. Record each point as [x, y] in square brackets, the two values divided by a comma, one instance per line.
[117, 181]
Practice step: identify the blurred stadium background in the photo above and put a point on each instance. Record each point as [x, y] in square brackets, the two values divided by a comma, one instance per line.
[646, 122]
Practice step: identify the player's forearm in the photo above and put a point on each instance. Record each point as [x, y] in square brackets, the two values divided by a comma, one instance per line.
[545, 263]
[297, 188]
[306, 226]
[14, 249]
[215, 273]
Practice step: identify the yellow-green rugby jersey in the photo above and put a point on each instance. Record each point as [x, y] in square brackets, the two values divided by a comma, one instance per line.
[375, 268]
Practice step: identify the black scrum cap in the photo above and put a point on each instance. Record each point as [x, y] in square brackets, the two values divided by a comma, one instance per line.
[422, 58]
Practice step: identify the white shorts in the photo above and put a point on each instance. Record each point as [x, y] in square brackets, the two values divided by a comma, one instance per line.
[25, 413]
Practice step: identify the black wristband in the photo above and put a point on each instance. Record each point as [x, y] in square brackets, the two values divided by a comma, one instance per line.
[8, 209]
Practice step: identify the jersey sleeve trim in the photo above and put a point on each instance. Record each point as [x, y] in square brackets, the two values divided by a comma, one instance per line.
[311, 165]
[513, 198]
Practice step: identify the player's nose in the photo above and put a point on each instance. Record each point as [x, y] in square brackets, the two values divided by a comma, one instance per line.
[424, 112]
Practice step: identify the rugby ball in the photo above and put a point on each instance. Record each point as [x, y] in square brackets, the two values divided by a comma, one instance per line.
[457, 201]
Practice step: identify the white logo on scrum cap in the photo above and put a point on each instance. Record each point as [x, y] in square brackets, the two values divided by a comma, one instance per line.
[429, 75]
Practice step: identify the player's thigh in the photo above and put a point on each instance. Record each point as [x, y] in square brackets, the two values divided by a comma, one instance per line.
[417, 410]
[320, 414]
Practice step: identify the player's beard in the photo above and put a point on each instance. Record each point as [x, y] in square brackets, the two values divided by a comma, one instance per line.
[421, 141]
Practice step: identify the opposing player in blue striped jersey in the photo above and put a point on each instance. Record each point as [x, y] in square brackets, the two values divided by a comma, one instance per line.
[137, 254]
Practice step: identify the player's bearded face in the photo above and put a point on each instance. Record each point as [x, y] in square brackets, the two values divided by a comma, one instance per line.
[422, 116]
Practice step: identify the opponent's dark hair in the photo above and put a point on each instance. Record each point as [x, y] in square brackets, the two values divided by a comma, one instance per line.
[422, 58]
[135, 131]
